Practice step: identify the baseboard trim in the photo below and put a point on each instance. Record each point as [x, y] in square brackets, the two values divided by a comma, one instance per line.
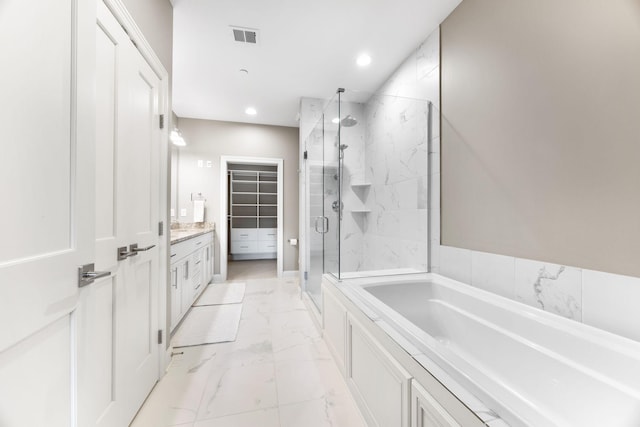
[217, 278]
[291, 273]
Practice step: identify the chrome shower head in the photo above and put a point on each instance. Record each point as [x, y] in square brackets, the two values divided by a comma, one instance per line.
[349, 121]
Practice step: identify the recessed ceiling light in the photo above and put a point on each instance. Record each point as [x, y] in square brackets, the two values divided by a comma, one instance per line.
[251, 111]
[363, 60]
[336, 120]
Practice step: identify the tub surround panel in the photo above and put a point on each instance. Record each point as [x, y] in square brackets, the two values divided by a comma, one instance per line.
[455, 263]
[603, 300]
[610, 302]
[494, 273]
[550, 287]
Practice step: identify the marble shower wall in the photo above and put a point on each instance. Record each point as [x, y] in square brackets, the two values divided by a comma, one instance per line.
[353, 224]
[397, 155]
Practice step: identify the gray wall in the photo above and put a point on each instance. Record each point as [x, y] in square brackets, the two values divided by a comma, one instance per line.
[208, 140]
[541, 131]
[155, 19]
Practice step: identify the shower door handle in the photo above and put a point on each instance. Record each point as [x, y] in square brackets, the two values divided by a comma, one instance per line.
[325, 224]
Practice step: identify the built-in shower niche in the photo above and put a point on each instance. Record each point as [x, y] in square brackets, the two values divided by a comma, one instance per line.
[360, 211]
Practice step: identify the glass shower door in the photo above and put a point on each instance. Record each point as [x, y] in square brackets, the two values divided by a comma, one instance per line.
[322, 192]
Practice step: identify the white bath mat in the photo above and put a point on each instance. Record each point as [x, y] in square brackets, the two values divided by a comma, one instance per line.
[222, 293]
[208, 325]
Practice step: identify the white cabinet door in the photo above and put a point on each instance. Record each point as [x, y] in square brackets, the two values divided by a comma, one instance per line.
[426, 411]
[120, 319]
[47, 197]
[379, 384]
[334, 325]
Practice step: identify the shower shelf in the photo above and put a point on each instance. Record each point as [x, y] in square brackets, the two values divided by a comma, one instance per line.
[361, 211]
[361, 184]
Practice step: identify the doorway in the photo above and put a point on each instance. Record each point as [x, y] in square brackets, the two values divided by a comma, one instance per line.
[251, 212]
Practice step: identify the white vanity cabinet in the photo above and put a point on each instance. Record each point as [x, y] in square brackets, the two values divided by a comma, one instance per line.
[191, 270]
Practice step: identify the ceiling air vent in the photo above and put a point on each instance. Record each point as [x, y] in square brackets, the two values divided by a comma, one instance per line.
[245, 35]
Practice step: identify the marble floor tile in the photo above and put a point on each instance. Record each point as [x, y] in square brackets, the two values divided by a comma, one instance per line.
[330, 411]
[278, 372]
[238, 389]
[263, 418]
[307, 380]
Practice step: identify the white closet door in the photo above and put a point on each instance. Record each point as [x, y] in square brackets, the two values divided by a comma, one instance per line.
[47, 204]
[119, 321]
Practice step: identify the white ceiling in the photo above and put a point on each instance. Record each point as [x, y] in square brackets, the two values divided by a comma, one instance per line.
[305, 49]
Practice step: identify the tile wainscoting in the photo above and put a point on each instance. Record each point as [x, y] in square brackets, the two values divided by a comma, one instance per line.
[604, 300]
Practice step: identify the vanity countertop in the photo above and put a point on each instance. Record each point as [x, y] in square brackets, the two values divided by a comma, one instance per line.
[182, 234]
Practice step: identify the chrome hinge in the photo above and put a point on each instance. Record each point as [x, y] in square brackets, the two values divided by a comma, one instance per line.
[306, 155]
[306, 275]
[159, 336]
[161, 121]
[161, 228]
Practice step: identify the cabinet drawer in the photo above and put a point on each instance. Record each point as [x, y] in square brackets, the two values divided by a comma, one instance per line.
[181, 250]
[244, 234]
[241, 247]
[202, 241]
[266, 246]
[267, 234]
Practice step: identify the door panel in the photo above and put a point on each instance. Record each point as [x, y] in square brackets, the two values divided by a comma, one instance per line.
[36, 109]
[47, 191]
[97, 353]
[29, 381]
[43, 167]
[108, 41]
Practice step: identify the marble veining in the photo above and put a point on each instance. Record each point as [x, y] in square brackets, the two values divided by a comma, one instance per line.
[550, 287]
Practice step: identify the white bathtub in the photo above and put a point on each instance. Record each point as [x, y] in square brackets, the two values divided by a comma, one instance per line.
[531, 367]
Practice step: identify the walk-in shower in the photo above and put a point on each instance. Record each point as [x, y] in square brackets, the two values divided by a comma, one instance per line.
[366, 177]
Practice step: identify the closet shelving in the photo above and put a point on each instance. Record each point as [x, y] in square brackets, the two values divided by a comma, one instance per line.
[253, 214]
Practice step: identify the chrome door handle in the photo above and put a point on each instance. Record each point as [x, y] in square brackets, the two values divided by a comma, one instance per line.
[134, 249]
[325, 224]
[315, 224]
[123, 254]
[87, 275]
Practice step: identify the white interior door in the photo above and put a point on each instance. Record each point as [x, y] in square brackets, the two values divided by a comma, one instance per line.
[47, 198]
[117, 341]
[138, 213]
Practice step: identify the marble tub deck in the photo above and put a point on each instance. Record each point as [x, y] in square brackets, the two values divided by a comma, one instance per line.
[278, 372]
